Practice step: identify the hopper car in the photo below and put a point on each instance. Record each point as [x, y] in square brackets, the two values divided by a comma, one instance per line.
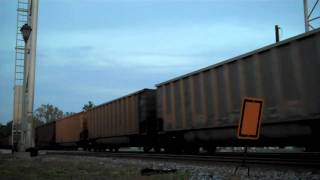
[202, 108]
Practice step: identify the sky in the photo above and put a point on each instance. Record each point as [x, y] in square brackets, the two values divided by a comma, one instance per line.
[98, 50]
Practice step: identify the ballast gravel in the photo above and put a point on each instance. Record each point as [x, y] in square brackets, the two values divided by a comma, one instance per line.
[85, 167]
[212, 172]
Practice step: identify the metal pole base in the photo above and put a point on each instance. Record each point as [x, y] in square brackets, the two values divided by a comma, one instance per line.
[243, 164]
[22, 155]
[31, 152]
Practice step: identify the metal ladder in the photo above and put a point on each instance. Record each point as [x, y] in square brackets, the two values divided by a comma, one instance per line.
[23, 12]
[22, 18]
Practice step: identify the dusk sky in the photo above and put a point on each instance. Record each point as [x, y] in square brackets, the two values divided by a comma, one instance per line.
[99, 50]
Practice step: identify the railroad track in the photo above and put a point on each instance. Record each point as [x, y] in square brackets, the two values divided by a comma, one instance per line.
[280, 159]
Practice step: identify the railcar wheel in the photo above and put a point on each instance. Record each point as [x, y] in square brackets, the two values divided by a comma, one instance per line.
[312, 148]
[173, 150]
[116, 149]
[146, 149]
[211, 149]
[157, 149]
[192, 150]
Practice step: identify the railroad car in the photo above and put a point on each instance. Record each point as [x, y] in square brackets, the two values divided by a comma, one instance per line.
[5, 142]
[68, 131]
[202, 108]
[45, 136]
[126, 121]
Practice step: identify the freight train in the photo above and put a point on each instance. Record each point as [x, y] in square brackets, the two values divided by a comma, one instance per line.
[202, 108]
[5, 142]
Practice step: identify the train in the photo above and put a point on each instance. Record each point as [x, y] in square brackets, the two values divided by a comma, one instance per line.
[5, 142]
[201, 109]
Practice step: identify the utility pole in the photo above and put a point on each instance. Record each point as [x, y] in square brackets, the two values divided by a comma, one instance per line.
[29, 83]
[22, 129]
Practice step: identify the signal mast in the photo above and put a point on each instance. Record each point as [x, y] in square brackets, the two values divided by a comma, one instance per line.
[24, 78]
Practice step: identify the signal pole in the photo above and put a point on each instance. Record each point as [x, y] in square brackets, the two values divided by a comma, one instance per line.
[22, 128]
[29, 82]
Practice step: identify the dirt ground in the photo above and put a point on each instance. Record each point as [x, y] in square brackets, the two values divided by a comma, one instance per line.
[77, 168]
[49, 167]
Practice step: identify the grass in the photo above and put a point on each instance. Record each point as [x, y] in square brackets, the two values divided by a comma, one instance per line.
[64, 167]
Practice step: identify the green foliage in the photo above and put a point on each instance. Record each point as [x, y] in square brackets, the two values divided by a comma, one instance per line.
[88, 106]
[5, 130]
[44, 114]
[68, 114]
[47, 113]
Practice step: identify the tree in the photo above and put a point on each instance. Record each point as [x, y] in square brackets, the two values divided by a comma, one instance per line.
[88, 106]
[5, 130]
[68, 114]
[47, 113]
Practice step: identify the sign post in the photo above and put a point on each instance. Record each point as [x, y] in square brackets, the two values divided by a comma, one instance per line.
[250, 123]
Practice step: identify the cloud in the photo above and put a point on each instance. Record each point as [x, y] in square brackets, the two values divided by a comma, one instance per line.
[177, 46]
[75, 52]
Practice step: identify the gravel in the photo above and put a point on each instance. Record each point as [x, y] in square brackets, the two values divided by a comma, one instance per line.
[213, 172]
[121, 168]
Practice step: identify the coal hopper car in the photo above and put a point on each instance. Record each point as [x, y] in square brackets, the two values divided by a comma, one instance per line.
[6, 142]
[202, 108]
[45, 136]
[124, 122]
[68, 131]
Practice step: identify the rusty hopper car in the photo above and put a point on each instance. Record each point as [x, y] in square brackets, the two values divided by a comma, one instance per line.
[6, 142]
[126, 121]
[45, 135]
[202, 109]
[68, 130]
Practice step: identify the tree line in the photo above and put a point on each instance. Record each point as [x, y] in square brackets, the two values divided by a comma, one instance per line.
[46, 113]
